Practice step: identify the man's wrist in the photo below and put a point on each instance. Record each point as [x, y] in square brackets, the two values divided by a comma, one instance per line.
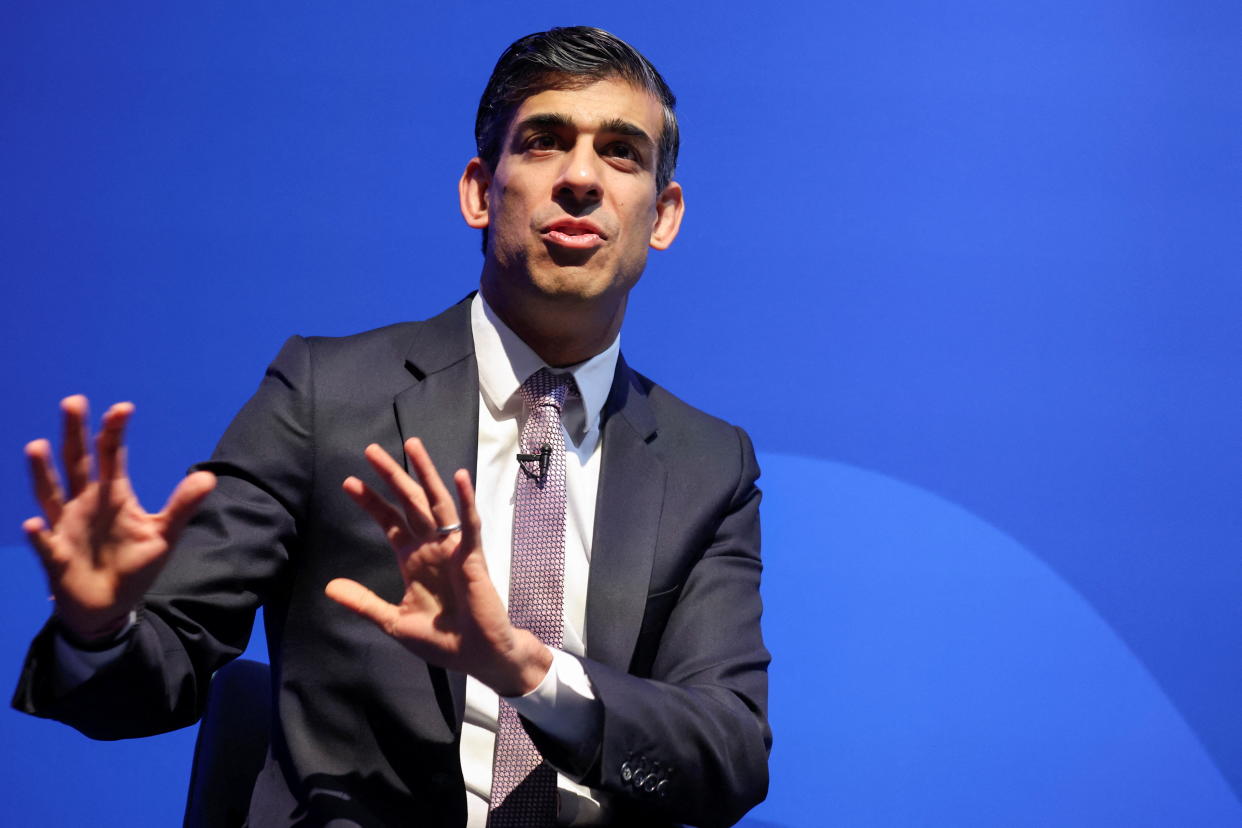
[532, 663]
[98, 639]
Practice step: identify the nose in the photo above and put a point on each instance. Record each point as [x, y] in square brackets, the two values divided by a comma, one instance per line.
[580, 180]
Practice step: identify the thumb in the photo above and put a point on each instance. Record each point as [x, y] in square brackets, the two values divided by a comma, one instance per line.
[184, 501]
[355, 596]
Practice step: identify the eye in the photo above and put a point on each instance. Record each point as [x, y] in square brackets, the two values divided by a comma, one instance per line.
[542, 141]
[620, 149]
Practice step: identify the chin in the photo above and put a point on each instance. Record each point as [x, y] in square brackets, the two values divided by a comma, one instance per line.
[583, 281]
[565, 285]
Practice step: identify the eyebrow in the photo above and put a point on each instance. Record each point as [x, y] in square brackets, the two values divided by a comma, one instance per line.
[544, 120]
[623, 127]
[557, 120]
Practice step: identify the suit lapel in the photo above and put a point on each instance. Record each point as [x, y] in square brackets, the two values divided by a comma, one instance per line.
[627, 520]
[442, 409]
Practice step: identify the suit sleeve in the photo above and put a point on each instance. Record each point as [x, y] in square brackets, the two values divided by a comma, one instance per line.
[690, 742]
[227, 562]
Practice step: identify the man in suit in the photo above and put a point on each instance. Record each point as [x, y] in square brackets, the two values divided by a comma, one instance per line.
[626, 538]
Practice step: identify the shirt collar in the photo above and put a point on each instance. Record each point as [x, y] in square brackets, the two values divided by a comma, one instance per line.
[505, 362]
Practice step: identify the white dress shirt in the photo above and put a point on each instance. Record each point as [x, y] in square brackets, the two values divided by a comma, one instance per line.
[564, 704]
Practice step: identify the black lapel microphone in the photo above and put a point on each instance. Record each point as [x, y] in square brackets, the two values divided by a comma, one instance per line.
[543, 458]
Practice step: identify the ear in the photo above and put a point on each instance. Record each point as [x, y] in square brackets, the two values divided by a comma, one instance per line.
[474, 189]
[670, 206]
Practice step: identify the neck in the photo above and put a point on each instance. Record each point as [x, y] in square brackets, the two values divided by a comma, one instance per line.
[561, 330]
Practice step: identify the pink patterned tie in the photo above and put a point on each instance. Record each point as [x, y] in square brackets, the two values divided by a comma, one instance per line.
[523, 785]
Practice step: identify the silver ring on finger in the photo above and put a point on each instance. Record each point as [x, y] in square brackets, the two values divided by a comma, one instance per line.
[443, 531]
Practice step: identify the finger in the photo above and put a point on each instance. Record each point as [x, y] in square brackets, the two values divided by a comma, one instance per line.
[410, 495]
[471, 525]
[355, 596]
[46, 481]
[110, 443]
[77, 456]
[385, 515]
[442, 506]
[40, 538]
[184, 502]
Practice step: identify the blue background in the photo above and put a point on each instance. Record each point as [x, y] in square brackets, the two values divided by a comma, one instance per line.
[969, 273]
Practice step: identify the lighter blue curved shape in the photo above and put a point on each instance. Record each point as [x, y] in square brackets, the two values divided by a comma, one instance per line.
[930, 671]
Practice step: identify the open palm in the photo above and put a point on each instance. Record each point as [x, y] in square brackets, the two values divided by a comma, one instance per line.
[450, 613]
[99, 548]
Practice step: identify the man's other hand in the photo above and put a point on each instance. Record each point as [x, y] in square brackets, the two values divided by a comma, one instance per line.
[450, 614]
[101, 551]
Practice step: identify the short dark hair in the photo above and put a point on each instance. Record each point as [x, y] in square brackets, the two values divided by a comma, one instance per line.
[565, 58]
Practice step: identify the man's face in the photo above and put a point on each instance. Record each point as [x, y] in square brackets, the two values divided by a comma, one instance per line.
[571, 207]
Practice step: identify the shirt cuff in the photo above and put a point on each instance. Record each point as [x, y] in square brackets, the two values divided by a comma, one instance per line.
[72, 665]
[564, 704]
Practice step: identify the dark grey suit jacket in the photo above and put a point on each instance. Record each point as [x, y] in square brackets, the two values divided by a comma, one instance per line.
[368, 733]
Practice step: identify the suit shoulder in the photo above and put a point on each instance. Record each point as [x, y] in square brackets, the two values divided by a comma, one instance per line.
[706, 457]
[353, 363]
[395, 338]
[432, 344]
[686, 424]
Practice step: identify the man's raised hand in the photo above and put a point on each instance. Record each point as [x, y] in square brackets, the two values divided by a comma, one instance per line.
[450, 614]
[101, 551]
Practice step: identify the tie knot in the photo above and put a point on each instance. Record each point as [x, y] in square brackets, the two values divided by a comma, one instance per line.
[545, 388]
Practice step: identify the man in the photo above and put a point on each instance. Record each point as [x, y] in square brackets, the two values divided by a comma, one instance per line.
[621, 523]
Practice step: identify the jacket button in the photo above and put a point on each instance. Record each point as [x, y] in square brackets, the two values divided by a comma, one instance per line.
[649, 784]
[662, 788]
[627, 773]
